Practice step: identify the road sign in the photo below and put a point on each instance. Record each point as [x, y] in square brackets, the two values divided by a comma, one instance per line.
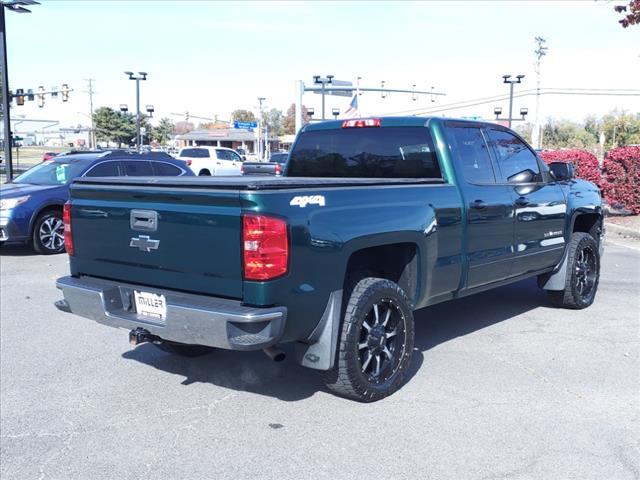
[340, 93]
[245, 125]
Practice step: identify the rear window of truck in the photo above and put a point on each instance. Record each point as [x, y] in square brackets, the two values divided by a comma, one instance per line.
[389, 152]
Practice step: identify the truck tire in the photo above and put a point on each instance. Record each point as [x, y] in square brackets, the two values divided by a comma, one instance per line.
[48, 233]
[184, 349]
[583, 273]
[375, 343]
[204, 173]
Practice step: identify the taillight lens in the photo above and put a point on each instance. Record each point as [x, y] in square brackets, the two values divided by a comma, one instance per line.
[265, 247]
[189, 162]
[278, 169]
[68, 235]
[361, 123]
[242, 169]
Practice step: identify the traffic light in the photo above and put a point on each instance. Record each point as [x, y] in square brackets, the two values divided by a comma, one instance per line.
[30, 96]
[41, 96]
[20, 96]
[65, 92]
[54, 92]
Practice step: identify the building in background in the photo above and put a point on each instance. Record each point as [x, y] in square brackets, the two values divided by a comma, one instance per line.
[224, 137]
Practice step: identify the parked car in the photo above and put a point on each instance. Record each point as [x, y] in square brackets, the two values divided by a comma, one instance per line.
[273, 167]
[49, 155]
[373, 219]
[216, 161]
[31, 205]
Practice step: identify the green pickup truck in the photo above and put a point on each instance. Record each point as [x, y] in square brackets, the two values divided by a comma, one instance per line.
[373, 219]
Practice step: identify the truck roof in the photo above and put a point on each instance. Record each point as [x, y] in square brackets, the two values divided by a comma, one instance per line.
[397, 122]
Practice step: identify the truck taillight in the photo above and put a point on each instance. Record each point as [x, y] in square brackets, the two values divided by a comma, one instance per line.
[242, 169]
[278, 169]
[361, 123]
[265, 247]
[68, 235]
[189, 162]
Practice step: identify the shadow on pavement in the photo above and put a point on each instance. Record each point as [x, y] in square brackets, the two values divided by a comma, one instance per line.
[16, 250]
[254, 372]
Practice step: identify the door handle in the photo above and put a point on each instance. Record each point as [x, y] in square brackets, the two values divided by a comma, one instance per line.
[478, 205]
[522, 201]
[217, 163]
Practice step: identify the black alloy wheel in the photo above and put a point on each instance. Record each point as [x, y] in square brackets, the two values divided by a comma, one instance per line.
[583, 273]
[375, 342]
[381, 341]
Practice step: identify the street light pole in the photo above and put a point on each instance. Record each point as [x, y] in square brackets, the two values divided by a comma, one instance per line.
[317, 79]
[507, 79]
[5, 98]
[138, 78]
[18, 7]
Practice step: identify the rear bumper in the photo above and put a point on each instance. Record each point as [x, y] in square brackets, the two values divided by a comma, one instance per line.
[191, 319]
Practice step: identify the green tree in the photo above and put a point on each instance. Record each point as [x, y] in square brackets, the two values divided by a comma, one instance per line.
[114, 126]
[164, 131]
[242, 116]
[273, 120]
[566, 134]
[621, 128]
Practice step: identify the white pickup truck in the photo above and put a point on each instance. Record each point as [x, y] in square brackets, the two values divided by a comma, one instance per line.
[217, 161]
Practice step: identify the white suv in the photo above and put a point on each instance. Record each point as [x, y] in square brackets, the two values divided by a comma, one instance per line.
[211, 160]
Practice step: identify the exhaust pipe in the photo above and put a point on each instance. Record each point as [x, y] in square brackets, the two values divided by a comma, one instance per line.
[275, 354]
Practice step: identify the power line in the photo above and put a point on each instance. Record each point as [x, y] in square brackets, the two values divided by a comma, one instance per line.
[522, 93]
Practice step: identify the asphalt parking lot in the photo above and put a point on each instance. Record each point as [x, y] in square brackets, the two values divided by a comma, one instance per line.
[503, 386]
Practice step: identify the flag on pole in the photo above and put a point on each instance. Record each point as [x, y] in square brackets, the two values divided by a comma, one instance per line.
[352, 111]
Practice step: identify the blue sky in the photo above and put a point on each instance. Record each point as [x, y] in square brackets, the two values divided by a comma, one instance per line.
[212, 57]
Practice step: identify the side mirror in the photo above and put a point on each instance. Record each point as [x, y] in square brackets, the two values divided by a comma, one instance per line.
[561, 171]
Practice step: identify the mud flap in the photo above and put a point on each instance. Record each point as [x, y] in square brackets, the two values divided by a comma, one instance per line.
[555, 280]
[319, 352]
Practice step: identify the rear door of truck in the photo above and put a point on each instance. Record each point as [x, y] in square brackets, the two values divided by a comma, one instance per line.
[176, 237]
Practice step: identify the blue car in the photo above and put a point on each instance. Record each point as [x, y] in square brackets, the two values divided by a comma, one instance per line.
[31, 205]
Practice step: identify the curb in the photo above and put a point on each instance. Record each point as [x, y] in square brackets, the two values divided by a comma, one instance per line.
[621, 231]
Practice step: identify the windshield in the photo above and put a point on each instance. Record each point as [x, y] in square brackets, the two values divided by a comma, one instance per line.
[279, 157]
[391, 152]
[52, 173]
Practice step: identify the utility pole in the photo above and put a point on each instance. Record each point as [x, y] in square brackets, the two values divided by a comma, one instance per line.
[92, 134]
[540, 52]
[260, 99]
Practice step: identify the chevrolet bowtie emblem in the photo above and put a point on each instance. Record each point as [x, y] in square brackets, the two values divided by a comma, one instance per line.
[144, 243]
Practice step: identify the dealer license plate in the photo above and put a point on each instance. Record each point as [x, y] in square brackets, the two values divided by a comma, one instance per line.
[151, 305]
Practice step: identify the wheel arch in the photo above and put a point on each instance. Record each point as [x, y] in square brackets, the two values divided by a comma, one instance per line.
[398, 262]
[47, 207]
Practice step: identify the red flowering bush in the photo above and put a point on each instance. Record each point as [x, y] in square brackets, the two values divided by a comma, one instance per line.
[585, 163]
[621, 171]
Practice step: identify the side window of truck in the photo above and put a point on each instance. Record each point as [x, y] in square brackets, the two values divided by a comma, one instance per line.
[517, 164]
[474, 155]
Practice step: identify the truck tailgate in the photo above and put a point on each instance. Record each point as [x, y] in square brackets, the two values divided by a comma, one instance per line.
[194, 245]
